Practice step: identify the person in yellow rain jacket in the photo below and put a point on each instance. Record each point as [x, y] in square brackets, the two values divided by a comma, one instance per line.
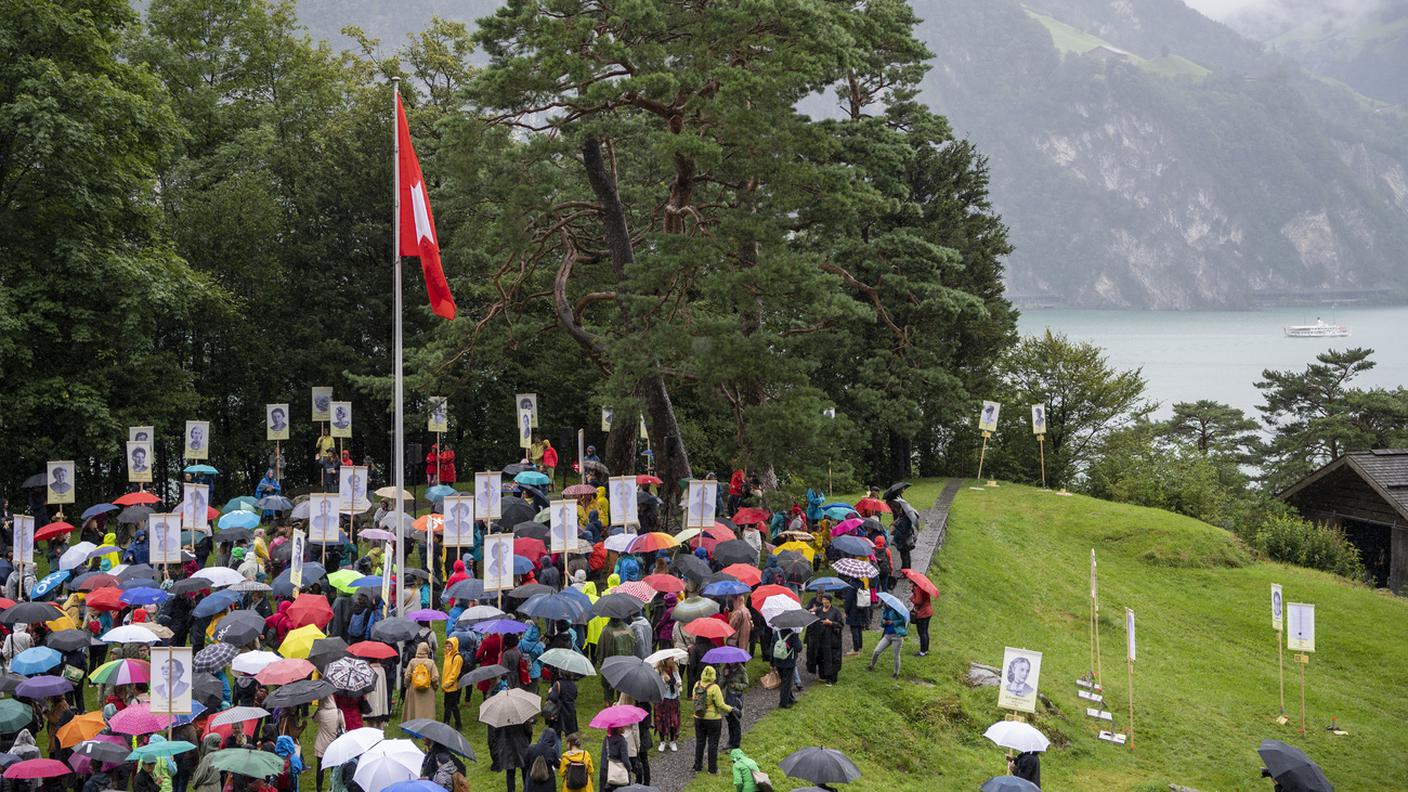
[110, 540]
[450, 672]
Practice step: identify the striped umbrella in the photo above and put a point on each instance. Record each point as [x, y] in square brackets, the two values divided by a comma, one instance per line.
[214, 657]
[636, 588]
[122, 672]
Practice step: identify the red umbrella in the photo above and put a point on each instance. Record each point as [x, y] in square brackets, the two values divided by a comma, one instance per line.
[922, 582]
[721, 532]
[869, 507]
[372, 650]
[645, 478]
[282, 672]
[530, 548]
[105, 599]
[53, 530]
[212, 514]
[139, 498]
[37, 768]
[749, 575]
[579, 491]
[310, 609]
[6, 603]
[709, 628]
[752, 516]
[761, 593]
[97, 581]
[665, 584]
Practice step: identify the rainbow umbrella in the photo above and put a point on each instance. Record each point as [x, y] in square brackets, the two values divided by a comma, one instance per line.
[652, 542]
[122, 672]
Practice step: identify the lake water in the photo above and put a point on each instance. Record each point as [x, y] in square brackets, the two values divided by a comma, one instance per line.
[1218, 355]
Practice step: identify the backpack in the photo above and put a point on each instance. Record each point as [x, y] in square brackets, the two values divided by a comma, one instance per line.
[357, 626]
[701, 700]
[576, 775]
[540, 771]
[420, 677]
[781, 650]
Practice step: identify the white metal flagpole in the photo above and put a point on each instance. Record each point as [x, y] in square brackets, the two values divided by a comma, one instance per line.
[398, 450]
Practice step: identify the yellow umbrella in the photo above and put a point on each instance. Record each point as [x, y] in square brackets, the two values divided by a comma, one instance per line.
[299, 642]
[801, 547]
[61, 623]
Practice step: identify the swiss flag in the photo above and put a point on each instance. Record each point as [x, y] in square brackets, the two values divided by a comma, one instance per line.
[417, 223]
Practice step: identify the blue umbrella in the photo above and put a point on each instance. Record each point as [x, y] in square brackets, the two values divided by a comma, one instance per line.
[555, 606]
[238, 519]
[839, 512]
[465, 589]
[895, 603]
[144, 596]
[438, 492]
[283, 586]
[94, 511]
[852, 546]
[500, 626]
[826, 584]
[522, 565]
[197, 709]
[839, 505]
[43, 687]
[202, 469]
[1007, 783]
[726, 654]
[725, 588]
[35, 661]
[215, 603]
[50, 582]
[414, 786]
[367, 581]
[532, 478]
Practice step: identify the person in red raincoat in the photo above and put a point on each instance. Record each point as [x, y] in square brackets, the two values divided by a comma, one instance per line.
[490, 652]
[447, 467]
[432, 464]
[550, 461]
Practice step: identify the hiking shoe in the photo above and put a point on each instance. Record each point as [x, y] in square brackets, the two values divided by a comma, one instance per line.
[674, 746]
[661, 749]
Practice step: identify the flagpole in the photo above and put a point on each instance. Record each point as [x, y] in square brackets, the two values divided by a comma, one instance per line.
[398, 451]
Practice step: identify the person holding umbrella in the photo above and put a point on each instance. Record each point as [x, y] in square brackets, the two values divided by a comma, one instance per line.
[614, 751]
[825, 640]
[709, 710]
[893, 631]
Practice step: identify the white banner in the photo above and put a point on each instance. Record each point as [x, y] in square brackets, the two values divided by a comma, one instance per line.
[323, 518]
[297, 547]
[488, 495]
[701, 504]
[1276, 610]
[23, 542]
[195, 507]
[1301, 635]
[622, 497]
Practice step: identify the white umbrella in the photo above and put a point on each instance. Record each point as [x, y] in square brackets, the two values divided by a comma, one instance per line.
[479, 613]
[130, 633]
[509, 707]
[776, 604]
[238, 715]
[350, 745]
[1018, 736]
[678, 655]
[386, 763]
[254, 662]
[77, 555]
[619, 543]
[220, 576]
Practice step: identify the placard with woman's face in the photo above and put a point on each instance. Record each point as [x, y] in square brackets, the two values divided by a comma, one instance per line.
[1021, 673]
[562, 526]
[139, 461]
[438, 419]
[276, 422]
[195, 507]
[323, 518]
[60, 484]
[164, 538]
[459, 520]
[488, 495]
[623, 501]
[23, 540]
[498, 562]
[171, 680]
[197, 440]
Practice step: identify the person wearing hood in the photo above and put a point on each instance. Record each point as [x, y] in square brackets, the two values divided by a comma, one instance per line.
[331, 724]
[459, 574]
[420, 679]
[643, 634]
[564, 692]
[280, 622]
[542, 760]
[709, 710]
[742, 623]
[138, 552]
[362, 619]
[98, 781]
[110, 540]
[450, 680]
[576, 762]
[615, 751]
[16, 642]
[616, 640]
[743, 770]
[665, 625]
[531, 647]
[285, 747]
[440, 766]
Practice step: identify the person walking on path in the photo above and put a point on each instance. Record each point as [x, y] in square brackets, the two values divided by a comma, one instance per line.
[825, 639]
[667, 710]
[576, 767]
[564, 692]
[923, 611]
[784, 661]
[743, 770]
[709, 709]
[421, 677]
[892, 625]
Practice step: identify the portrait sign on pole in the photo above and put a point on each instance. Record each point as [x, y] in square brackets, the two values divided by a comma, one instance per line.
[352, 489]
[644, 435]
[164, 532]
[1038, 419]
[701, 503]
[298, 546]
[606, 415]
[987, 419]
[141, 434]
[498, 562]
[171, 680]
[323, 518]
[197, 440]
[525, 428]
[488, 495]
[59, 486]
[562, 526]
[459, 520]
[1300, 637]
[139, 461]
[528, 402]
[341, 425]
[1021, 674]
[622, 497]
[322, 403]
[195, 507]
[276, 421]
[1276, 611]
[23, 542]
[438, 418]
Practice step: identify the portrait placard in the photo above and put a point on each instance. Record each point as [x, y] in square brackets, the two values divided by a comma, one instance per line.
[1021, 675]
[562, 526]
[488, 495]
[23, 541]
[298, 546]
[322, 403]
[1300, 637]
[276, 422]
[701, 504]
[139, 461]
[141, 434]
[525, 429]
[606, 416]
[1129, 646]
[352, 489]
[459, 520]
[644, 435]
[197, 440]
[341, 425]
[437, 419]
[1038, 419]
[987, 419]
[622, 497]
[59, 488]
[171, 680]
[498, 562]
[164, 538]
[323, 518]
[528, 402]
[1276, 611]
[195, 507]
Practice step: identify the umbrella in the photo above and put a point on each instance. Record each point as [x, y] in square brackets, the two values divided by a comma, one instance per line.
[438, 492]
[299, 642]
[636, 588]
[418, 785]
[482, 673]
[140, 497]
[68, 640]
[655, 658]
[349, 745]
[776, 605]
[102, 599]
[870, 507]
[14, 715]
[691, 566]
[893, 491]
[440, 734]
[568, 660]
[692, 608]
[1292, 769]
[827, 584]
[554, 607]
[510, 707]
[842, 512]
[342, 580]
[762, 593]
[232, 535]
[725, 588]
[53, 530]
[616, 716]
[154, 750]
[30, 613]
[35, 660]
[43, 686]
[1019, 736]
[1008, 783]
[579, 490]
[37, 768]
[389, 493]
[371, 650]
[853, 546]
[99, 750]
[190, 586]
[735, 551]
[820, 766]
[246, 503]
[854, 567]
[138, 719]
[239, 628]
[499, 627]
[312, 571]
[895, 604]
[285, 671]
[634, 677]
[726, 654]
[237, 520]
[388, 762]
[127, 584]
[207, 691]
[130, 633]
[215, 603]
[377, 534]
[326, 650]
[465, 589]
[653, 542]
[303, 691]
[276, 503]
[751, 516]
[350, 674]
[248, 662]
[144, 595]
[395, 629]
[745, 573]
[250, 586]
[246, 762]
[480, 613]
[125, 671]
[219, 576]
[617, 606]
[619, 543]
[428, 615]
[76, 556]
[532, 478]
[793, 619]
[134, 515]
[665, 584]
[238, 715]
[91, 581]
[310, 609]
[530, 548]
[201, 469]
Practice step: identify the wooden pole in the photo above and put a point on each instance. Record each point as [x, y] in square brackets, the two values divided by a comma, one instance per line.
[1281, 671]
[1041, 449]
[1302, 660]
[1130, 665]
[982, 455]
[1098, 670]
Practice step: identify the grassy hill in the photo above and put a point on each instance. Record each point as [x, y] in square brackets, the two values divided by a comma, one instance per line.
[1014, 573]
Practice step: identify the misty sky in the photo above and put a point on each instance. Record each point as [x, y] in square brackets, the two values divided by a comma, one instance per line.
[1220, 9]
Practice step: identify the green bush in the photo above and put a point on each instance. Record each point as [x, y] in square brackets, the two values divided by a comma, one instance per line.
[1315, 545]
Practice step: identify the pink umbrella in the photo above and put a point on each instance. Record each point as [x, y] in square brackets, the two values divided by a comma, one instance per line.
[847, 526]
[138, 719]
[636, 588]
[282, 672]
[37, 768]
[617, 716]
[378, 534]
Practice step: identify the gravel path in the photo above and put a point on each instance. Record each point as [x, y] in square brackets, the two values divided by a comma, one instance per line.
[671, 771]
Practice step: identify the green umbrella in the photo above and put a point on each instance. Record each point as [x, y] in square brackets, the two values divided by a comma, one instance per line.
[255, 764]
[164, 748]
[342, 580]
[14, 715]
[242, 503]
[568, 660]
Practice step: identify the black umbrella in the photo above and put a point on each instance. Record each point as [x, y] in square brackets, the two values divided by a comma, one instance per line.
[540, 501]
[303, 691]
[67, 640]
[471, 589]
[515, 468]
[691, 566]
[1008, 783]
[134, 515]
[240, 628]
[190, 585]
[440, 734]
[137, 571]
[326, 650]
[598, 466]
[634, 677]
[29, 613]
[274, 503]
[894, 490]
[100, 751]
[395, 629]
[234, 535]
[207, 690]
[36, 481]
[793, 619]
[820, 766]
[794, 565]
[417, 574]
[617, 606]
[517, 510]
[527, 590]
[282, 555]
[10, 682]
[735, 551]
[482, 673]
[531, 530]
[1292, 769]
